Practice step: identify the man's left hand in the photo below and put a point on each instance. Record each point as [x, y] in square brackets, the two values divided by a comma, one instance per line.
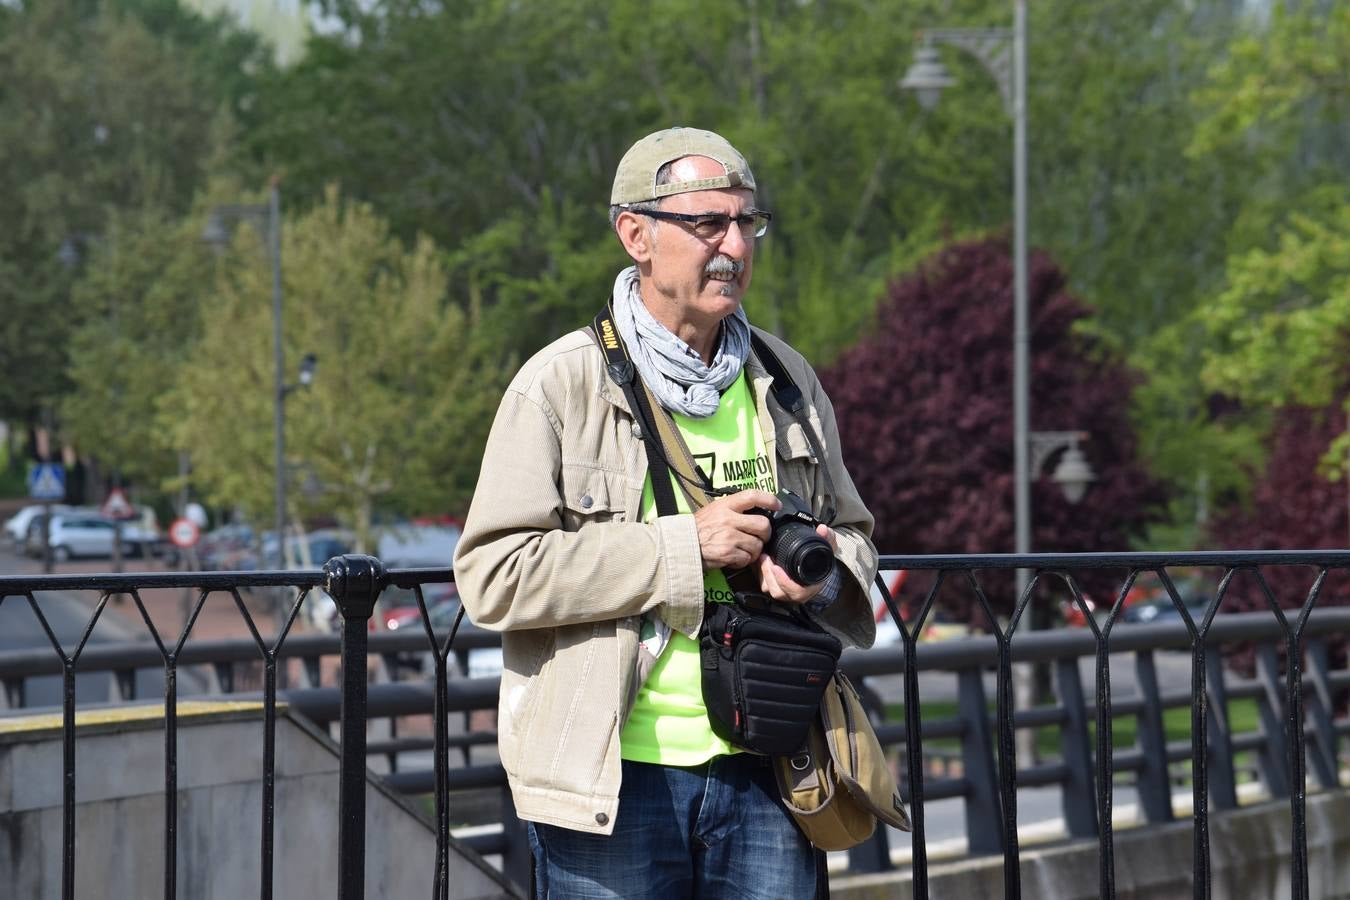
[774, 581]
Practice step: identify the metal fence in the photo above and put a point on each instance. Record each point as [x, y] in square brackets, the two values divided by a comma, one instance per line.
[1297, 720]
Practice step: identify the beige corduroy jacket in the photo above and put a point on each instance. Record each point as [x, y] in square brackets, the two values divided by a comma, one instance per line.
[554, 556]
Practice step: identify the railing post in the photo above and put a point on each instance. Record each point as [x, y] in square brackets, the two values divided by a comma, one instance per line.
[13, 695]
[516, 857]
[1155, 785]
[1219, 753]
[1274, 760]
[1080, 810]
[983, 810]
[354, 582]
[1320, 711]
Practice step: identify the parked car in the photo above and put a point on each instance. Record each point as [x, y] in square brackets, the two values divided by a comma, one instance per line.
[937, 627]
[398, 607]
[76, 534]
[32, 541]
[1162, 609]
[16, 526]
[312, 552]
[212, 547]
[433, 542]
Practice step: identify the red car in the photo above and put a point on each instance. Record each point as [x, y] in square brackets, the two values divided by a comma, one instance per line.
[398, 608]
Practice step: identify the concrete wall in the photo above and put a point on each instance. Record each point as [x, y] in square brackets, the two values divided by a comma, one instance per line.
[1249, 860]
[119, 817]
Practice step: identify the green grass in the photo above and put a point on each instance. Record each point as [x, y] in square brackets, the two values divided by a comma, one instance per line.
[1242, 717]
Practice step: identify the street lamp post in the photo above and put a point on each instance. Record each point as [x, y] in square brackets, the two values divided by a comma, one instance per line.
[267, 217]
[1003, 53]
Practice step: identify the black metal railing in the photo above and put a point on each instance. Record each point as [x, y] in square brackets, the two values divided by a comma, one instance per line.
[990, 773]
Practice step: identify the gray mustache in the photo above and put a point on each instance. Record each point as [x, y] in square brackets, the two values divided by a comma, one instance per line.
[724, 265]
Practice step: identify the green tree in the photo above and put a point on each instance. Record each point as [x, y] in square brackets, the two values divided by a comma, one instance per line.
[139, 301]
[1269, 128]
[1278, 327]
[104, 106]
[397, 406]
[505, 149]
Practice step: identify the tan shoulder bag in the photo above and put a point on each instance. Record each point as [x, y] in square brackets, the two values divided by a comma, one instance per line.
[840, 783]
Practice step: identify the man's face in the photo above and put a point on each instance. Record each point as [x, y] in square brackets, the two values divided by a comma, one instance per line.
[705, 278]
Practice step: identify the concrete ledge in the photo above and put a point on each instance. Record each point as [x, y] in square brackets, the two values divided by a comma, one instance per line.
[120, 811]
[1249, 858]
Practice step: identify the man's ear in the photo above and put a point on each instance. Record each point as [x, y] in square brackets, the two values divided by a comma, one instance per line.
[635, 234]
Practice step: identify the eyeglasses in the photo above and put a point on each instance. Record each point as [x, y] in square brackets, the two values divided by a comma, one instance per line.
[712, 226]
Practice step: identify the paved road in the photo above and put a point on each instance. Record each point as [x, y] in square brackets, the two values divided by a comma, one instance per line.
[68, 615]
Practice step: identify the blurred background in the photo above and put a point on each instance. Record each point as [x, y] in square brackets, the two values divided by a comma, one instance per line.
[315, 240]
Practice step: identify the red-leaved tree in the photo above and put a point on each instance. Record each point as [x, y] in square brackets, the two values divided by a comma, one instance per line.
[924, 404]
[1293, 506]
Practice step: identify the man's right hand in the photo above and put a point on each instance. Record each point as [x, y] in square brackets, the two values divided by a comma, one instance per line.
[729, 536]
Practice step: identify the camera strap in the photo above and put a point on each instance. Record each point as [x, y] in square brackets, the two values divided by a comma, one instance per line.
[789, 396]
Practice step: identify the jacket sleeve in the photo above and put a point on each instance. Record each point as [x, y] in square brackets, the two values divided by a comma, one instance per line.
[850, 615]
[516, 566]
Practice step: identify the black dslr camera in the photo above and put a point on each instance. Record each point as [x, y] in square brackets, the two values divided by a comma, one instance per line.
[794, 544]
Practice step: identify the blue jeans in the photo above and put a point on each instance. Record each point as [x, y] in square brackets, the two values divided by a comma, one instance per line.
[709, 832]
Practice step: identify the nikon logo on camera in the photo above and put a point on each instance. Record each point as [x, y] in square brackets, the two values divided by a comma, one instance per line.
[611, 341]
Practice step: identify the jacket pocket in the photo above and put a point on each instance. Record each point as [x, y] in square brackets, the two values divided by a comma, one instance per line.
[590, 495]
[796, 462]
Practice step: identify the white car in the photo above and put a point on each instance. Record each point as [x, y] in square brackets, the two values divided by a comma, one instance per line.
[74, 534]
[16, 527]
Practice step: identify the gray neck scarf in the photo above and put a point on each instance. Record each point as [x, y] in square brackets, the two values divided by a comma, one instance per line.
[674, 372]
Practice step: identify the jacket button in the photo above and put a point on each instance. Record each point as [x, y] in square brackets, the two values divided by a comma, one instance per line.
[637, 431]
[601, 819]
[586, 501]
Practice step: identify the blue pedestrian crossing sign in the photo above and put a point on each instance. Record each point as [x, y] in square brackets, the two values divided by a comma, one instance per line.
[47, 481]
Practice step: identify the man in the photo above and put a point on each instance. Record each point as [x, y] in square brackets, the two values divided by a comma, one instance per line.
[602, 730]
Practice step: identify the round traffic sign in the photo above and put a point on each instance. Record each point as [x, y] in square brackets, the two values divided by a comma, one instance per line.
[184, 533]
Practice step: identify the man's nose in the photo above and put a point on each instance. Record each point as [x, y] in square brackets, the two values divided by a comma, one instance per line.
[734, 243]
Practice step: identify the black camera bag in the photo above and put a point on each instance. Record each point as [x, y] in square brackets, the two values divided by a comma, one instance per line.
[765, 667]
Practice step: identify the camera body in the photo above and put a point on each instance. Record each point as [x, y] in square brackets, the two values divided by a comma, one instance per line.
[793, 542]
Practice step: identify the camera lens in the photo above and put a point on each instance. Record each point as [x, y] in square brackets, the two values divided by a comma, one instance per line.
[803, 554]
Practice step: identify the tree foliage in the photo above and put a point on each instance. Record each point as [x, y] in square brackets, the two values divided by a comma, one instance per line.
[104, 106]
[1275, 333]
[394, 411]
[1293, 506]
[1181, 156]
[140, 305]
[924, 405]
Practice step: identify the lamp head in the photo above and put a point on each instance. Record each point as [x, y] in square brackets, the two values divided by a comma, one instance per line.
[308, 364]
[927, 77]
[1074, 474]
[215, 232]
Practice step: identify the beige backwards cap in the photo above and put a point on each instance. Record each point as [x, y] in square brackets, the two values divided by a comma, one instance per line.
[635, 178]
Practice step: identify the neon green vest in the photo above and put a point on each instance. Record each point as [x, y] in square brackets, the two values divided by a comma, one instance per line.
[669, 724]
